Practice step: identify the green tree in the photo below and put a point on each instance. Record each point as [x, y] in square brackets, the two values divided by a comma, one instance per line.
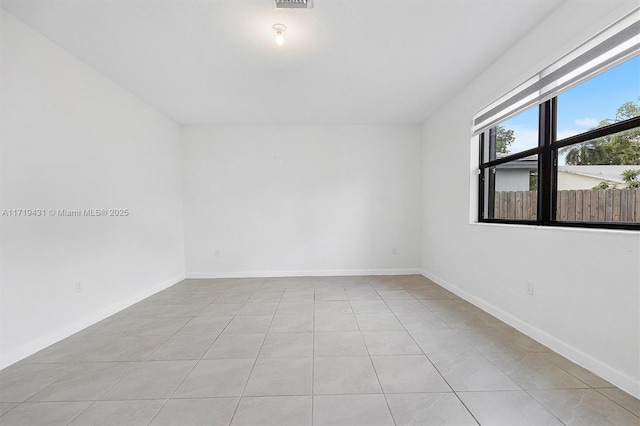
[591, 152]
[533, 180]
[621, 148]
[627, 110]
[631, 178]
[504, 139]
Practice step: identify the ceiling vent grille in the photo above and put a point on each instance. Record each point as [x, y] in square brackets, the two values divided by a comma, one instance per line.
[294, 4]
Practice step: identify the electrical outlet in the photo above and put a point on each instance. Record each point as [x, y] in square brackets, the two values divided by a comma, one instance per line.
[79, 287]
[530, 288]
[394, 251]
[216, 253]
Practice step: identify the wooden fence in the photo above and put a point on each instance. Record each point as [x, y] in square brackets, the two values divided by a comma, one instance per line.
[589, 205]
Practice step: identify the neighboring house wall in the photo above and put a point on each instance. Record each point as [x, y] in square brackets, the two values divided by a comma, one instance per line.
[512, 180]
[568, 180]
[588, 176]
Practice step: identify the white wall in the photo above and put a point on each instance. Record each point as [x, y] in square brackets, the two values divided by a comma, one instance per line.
[72, 139]
[295, 200]
[586, 302]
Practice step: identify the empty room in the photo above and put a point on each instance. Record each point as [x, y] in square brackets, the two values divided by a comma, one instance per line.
[319, 212]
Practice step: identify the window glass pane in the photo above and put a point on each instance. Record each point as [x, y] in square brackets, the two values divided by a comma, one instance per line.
[608, 98]
[599, 180]
[511, 190]
[516, 134]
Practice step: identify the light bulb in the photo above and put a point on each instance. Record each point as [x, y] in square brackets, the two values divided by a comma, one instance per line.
[279, 29]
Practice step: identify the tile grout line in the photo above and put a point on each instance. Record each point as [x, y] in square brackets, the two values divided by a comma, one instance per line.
[384, 395]
[313, 353]
[244, 388]
[499, 369]
[616, 402]
[525, 390]
[138, 363]
[434, 366]
[197, 361]
[428, 359]
[543, 405]
[194, 365]
[440, 373]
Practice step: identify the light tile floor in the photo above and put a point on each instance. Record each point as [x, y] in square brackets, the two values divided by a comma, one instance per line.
[298, 351]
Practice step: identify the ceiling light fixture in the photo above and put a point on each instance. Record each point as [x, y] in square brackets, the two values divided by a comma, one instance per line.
[279, 29]
[294, 4]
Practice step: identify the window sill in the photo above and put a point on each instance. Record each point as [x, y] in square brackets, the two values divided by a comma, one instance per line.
[563, 227]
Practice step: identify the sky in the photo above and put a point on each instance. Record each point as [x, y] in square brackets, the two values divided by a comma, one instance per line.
[582, 107]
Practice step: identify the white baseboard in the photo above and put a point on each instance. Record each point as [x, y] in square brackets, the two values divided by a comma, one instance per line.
[303, 273]
[70, 329]
[607, 372]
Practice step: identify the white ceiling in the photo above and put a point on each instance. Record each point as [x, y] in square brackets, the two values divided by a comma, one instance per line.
[344, 61]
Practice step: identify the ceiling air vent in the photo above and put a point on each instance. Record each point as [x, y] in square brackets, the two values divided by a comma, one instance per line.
[294, 4]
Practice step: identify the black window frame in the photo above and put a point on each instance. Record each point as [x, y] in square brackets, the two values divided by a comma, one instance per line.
[547, 154]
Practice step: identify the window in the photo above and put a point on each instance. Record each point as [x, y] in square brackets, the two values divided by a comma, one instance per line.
[564, 147]
[511, 178]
